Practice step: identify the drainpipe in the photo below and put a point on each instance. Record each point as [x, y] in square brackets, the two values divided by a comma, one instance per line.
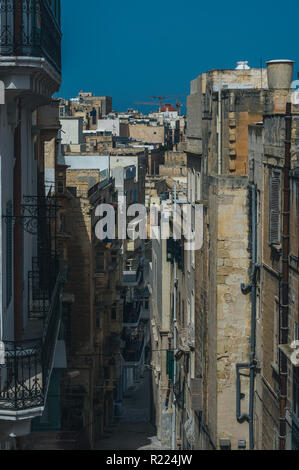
[174, 364]
[17, 235]
[250, 288]
[1, 271]
[220, 130]
[284, 283]
[173, 443]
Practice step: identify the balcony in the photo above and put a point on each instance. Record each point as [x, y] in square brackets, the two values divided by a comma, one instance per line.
[132, 278]
[132, 314]
[41, 283]
[175, 252]
[186, 338]
[26, 369]
[29, 28]
[133, 352]
[30, 39]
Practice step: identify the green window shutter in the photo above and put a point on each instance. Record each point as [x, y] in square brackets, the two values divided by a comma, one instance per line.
[9, 233]
[170, 365]
[274, 228]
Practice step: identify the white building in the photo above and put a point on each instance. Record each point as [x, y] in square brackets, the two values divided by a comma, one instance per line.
[72, 130]
[109, 125]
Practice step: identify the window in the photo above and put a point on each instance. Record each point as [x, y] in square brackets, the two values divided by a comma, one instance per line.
[60, 187]
[274, 208]
[97, 317]
[100, 262]
[113, 313]
[9, 213]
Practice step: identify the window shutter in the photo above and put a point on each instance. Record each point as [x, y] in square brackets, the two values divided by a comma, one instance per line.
[274, 229]
[9, 260]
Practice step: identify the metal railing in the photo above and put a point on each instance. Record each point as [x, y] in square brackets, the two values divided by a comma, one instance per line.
[41, 283]
[133, 350]
[30, 28]
[25, 375]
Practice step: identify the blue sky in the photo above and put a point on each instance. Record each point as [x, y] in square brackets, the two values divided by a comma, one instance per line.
[131, 49]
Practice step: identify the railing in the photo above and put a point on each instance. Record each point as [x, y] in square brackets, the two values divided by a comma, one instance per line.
[179, 391]
[30, 28]
[21, 379]
[41, 283]
[187, 338]
[175, 252]
[25, 376]
[133, 350]
[132, 278]
[131, 314]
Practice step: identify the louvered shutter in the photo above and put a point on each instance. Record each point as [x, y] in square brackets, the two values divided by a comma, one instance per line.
[274, 229]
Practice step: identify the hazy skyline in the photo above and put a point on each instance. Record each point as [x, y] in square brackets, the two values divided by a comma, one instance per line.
[130, 50]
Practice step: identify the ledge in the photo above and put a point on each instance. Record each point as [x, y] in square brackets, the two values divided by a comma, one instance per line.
[290, 353]
[32, 74]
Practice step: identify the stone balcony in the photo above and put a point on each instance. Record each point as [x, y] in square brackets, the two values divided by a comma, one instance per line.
[30, 49]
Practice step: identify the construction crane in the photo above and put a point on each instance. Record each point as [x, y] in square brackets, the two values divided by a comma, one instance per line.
[147, 104]
[160, 98]
[162, 103]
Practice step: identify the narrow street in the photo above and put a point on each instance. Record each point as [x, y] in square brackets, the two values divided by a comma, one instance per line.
[134, 430]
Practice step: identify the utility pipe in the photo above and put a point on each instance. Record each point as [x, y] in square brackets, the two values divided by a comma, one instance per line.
[174, 338]
[219, 129]
[284, 283]
[252, 287]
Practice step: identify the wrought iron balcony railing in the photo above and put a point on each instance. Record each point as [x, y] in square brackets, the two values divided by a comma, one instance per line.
[131, 314]
[26, 372]
[175, 252]
[133, 350]
[179, 391]
[41, 283]
[31, 28]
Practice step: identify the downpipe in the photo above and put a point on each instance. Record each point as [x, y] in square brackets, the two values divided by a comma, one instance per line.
[284, 281]
[251, 366]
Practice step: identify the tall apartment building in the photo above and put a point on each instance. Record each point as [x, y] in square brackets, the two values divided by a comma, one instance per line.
[166, 273]
[273, 155]
[238, 284]
[31, 281]
[94, 320]
[221, 105]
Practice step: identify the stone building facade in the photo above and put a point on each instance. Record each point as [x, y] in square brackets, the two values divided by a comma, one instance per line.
[273, 172]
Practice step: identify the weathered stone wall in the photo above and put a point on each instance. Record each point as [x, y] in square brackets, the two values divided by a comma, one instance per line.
[147, 134]
[83, 180]
[233, 308]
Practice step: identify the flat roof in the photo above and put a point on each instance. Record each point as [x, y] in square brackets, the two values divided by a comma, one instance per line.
[87, 162]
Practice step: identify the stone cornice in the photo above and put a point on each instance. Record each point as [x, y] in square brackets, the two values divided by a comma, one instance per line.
[29, 75]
